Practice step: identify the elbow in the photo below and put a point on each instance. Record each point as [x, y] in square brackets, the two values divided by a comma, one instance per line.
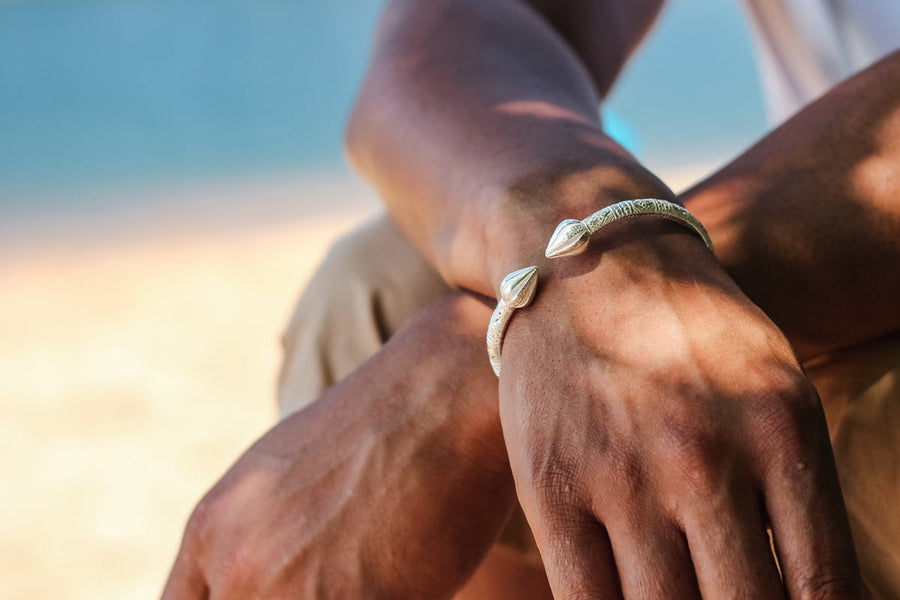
[354, 138]
[360, 129]
[363, 131]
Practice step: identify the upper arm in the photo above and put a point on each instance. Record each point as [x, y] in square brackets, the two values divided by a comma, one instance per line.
[603, 33]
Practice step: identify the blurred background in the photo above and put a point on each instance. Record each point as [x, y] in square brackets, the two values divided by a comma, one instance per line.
[170, 173]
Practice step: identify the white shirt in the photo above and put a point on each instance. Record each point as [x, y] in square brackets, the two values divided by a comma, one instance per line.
[804, 47]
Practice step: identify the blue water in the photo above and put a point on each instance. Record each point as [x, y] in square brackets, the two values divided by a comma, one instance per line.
[106, 92]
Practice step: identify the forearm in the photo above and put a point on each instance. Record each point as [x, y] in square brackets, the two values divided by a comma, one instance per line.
[403, 459]
[478, 123]
[431, 384]
[808, 220]
[418, 425]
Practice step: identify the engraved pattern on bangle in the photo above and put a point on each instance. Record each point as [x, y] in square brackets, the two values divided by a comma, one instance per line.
[572, 236]
[516, 291]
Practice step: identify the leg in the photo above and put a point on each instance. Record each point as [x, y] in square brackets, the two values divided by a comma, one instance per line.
[370, 282]
[860, 390]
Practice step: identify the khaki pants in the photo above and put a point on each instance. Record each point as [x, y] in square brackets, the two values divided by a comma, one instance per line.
[373, 279]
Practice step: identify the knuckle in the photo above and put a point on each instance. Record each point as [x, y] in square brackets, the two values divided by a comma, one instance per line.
[788, 426]
[554, 495]
[240, 569]
[629, 472]
[554, 484]
[583, 594]
[241, 566]
[199, 523]
[205, 518]
[561, 522]
[839, 582]
[699, 458]
[231, 563]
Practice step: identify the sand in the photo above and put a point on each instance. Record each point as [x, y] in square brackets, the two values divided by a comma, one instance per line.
[138, 357]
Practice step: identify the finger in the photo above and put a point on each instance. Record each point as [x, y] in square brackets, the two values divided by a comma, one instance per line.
[186, 581]
[577, 556]
[653, 560]
[729, 546]
[809, 525]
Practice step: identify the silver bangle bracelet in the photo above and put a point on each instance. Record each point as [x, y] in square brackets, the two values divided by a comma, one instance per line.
[571, 237]
[516, 291]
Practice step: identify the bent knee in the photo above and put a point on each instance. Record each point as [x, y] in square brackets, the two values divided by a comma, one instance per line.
[369, 283]
[377, 258]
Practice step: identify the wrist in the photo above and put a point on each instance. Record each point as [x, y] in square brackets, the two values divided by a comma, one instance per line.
[634, 269]
[640, 252]
[451, 378]
[525, 217]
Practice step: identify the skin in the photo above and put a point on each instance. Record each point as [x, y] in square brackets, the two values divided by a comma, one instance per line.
[654, 490]
[403, 449]
[652, 413]
[807, 220]
[478, 123]
[642, 487]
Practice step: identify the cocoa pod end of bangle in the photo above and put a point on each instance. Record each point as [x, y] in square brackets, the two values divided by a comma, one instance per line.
[517, 288]
[570, 238]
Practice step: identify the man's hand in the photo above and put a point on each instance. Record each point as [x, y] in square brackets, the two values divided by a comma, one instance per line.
[657, 423]
[393, 485]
